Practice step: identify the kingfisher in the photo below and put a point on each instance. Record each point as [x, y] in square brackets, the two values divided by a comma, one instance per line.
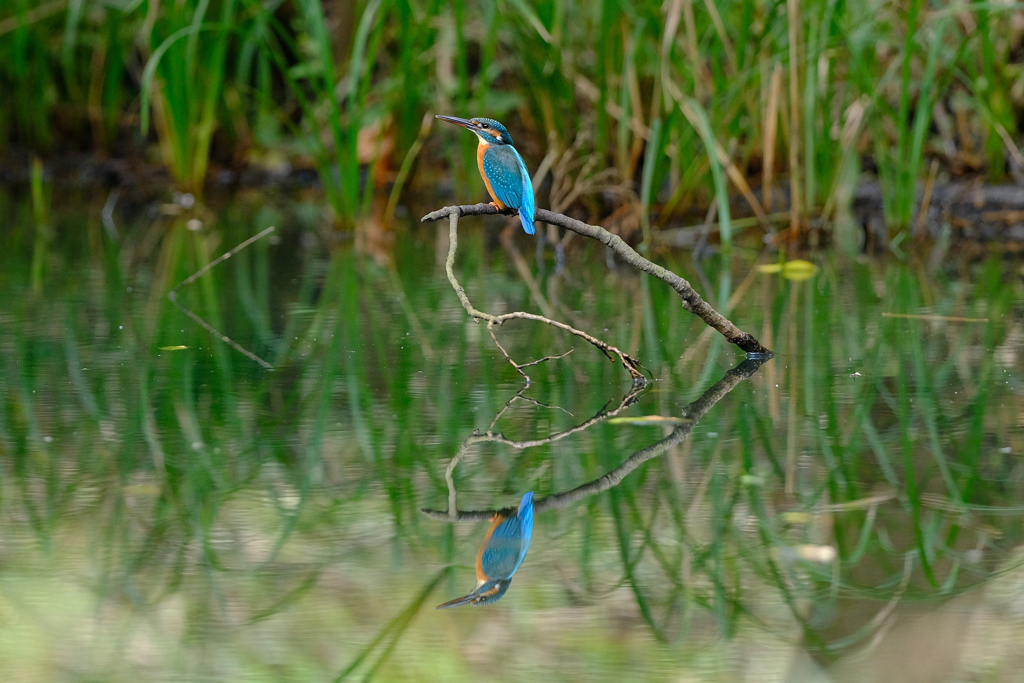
[503, 170]
[504, 548]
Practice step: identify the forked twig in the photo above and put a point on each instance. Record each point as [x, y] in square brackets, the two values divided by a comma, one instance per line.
[173, 296]
[631, 364]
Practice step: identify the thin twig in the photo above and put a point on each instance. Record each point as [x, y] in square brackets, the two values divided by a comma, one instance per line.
[691, 300]
[223, 257]
[547, 358]
[519, 366]
[173, 296]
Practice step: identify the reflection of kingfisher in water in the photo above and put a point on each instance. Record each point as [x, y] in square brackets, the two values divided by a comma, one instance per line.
[503, 551]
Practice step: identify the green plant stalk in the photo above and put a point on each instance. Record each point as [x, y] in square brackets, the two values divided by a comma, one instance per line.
[213, 94]
[364, 50]
[922, 120]
[905, 183]
[653, 154]
[39, 211]
[810, 129]
[622, 136]
[991, 92]
[717, 173]
[342, 198]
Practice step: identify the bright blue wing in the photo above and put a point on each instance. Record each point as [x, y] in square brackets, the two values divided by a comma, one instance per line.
[526, 210]
[509, 542]
[507, 174]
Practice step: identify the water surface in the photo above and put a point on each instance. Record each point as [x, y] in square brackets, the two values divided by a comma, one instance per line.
[171, 510]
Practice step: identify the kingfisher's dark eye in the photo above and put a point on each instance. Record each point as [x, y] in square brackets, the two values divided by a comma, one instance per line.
[484, 125]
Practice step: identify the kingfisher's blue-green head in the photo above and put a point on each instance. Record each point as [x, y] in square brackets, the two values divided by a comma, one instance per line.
[488, 130]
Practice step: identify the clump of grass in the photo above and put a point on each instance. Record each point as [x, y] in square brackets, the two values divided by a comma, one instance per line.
[184, 80]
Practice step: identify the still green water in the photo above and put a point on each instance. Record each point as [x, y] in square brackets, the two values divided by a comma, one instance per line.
[173, 511]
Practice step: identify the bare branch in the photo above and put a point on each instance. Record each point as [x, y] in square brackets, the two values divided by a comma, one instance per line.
[691, 300]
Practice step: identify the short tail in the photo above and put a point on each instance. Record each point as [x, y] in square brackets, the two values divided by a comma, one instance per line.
[526, 504]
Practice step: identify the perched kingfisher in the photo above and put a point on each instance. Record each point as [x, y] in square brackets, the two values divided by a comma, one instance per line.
[504, 548]
[503, 170]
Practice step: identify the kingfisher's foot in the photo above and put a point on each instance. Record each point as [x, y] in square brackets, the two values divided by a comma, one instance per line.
[505, 211]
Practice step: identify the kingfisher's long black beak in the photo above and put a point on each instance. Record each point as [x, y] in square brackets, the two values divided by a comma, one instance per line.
[458, 602]
[465, 123]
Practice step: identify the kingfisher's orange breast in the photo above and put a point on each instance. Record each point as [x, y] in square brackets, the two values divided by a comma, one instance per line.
[480, 150]
[495, 520]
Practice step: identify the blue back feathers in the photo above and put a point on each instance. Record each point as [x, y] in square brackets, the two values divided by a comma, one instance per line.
[509, 542]
[507, 174]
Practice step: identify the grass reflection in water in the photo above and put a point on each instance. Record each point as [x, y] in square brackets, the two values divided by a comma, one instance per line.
[184, 512]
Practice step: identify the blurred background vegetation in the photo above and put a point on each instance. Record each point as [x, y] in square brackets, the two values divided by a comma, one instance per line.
[614, 103]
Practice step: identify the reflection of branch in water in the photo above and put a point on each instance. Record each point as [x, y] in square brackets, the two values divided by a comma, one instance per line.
[692, 414]
[519, 397]
[497, 437]
[173, 296]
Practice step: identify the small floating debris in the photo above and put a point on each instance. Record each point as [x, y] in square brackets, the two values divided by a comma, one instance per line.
[925, 316]
[795, 517]
[141, 490]
[173, 348]
[797, 269]
[648, 420]
[808, 552]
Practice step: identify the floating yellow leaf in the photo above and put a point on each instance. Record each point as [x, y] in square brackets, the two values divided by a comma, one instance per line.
[173, 348]
[797, 269]
[796, 517]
